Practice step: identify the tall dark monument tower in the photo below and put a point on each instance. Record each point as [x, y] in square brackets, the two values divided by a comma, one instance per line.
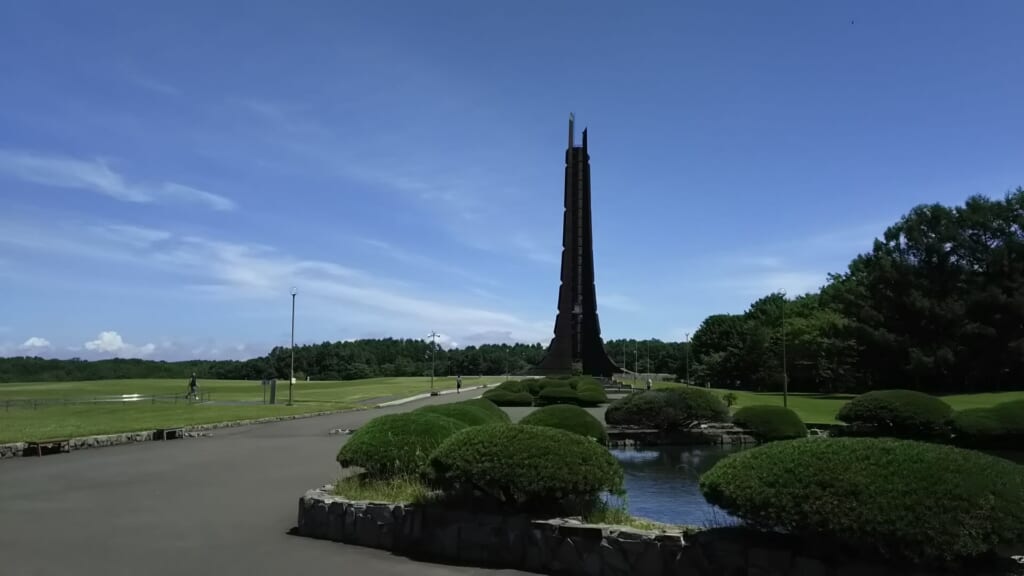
[577, 330]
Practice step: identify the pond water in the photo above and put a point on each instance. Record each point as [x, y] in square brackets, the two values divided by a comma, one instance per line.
[661, 483]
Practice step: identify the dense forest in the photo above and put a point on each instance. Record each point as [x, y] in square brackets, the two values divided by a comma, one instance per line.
[936, 305]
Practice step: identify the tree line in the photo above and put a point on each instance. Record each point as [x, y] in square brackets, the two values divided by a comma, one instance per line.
[937, 305]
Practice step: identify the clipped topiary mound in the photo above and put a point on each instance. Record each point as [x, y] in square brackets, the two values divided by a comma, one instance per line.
[770, 423]
[912, 500]
[503, 398]
[470, 412]
[999, 426]
[531, 468]
[897, 413]
[570, 418]
[590, 391]
[397, 445]
[667, 409]
[514, 386]
[539, 385]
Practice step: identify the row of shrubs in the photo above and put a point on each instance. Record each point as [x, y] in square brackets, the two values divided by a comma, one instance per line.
[577, 390]
[684, 407]
[553, 461]
[916, 415]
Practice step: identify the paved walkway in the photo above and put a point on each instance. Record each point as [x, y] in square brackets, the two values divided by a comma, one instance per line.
[220, 506]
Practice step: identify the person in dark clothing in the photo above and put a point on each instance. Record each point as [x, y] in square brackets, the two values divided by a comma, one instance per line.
[458, 384]
[192, 385]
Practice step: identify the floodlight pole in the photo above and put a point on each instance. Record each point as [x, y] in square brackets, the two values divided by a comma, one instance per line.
[433, 356]
[291, 379]
[785, 373]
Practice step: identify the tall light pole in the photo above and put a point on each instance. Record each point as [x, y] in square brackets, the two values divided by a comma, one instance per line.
[636, 361]
[291, 379]
[687, 352]
[785, 374]
[508, 370]
[433, 355]
[648, 358]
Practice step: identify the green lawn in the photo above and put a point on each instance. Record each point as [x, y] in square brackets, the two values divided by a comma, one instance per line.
[50, 421]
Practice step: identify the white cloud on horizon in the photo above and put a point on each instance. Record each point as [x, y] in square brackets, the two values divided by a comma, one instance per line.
[96, 176]
[35, 343]
[110, 342]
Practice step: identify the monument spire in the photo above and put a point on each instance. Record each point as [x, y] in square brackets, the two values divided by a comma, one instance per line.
[577, 340]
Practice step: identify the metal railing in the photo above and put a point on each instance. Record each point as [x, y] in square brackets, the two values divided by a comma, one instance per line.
[124, 399]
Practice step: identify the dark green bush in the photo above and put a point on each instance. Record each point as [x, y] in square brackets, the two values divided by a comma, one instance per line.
[770, 423]
[912, 500]
[397, 444]
[532, 468]
[667, 409]
[539, 385]
[897, 413]
[571, 418]
[999, 426]
[558, 395]
[514, 386]
[470, 412]
[503, 398]
[591, 392]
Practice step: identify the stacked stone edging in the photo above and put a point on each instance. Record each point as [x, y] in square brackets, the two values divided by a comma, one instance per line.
[16, 449]
[571, 548]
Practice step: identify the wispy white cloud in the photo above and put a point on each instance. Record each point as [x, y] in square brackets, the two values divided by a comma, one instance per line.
[407, 257]
[238, 272]
[98, 177]
[154, 85]
[135, 235]
[618, 302]
[111, 343]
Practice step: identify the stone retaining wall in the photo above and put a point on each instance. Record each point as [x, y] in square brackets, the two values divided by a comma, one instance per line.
[16, 449]
[571, 548]
[711, 434]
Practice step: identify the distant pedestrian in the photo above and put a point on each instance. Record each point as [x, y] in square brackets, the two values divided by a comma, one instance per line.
[192, 386]
[649, 383]
[458, 384]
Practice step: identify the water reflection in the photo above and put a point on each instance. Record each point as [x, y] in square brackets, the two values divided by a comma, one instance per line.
[661, 483]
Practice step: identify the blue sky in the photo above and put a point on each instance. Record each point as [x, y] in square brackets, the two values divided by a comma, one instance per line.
[169, 170]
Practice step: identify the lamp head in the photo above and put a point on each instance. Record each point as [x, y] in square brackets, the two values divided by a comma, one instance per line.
[294, 290]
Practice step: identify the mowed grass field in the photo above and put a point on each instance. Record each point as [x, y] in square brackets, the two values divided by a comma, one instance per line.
[230, 400]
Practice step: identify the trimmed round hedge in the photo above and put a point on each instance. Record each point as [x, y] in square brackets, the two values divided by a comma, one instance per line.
[770, 423]
[502, 398]
[558, 395]
[570, 418]
[513, 386]
[397, 445]
[999, 426]
[897, 413]
[475, 412]
[530, 468]
[912, 500]
[667, 409]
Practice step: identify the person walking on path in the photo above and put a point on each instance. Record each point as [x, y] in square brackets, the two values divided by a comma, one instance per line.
[192, 386]
[458, 384]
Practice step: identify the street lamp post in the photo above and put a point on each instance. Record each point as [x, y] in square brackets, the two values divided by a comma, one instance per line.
[636, 361]
[291, 379]
[785, 374]
[433, 356]
[687, 352]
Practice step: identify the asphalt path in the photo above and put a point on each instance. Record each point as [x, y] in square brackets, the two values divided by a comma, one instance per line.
[219, 505]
